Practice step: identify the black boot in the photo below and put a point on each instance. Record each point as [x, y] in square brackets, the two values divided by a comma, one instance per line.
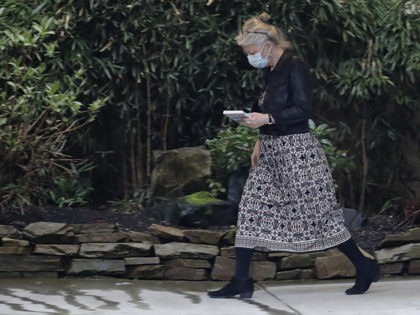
[245, 289]
[365, 275]
[367, 270]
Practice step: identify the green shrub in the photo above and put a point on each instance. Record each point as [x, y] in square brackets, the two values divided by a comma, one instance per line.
[231, 149]
[39, 111]
[338, 160]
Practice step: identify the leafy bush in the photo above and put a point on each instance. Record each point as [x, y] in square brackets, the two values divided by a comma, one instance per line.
[39, 111]
[338, 160]
[231, 149]
[169, 68]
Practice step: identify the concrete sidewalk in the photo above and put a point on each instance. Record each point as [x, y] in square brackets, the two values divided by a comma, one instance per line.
[119, 296]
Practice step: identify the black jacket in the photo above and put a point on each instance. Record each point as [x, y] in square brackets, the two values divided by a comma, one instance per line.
[288, 96]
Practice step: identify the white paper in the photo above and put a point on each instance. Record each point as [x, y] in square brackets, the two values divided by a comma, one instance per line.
[236, 115]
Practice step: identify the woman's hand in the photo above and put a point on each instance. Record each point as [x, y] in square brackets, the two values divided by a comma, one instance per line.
[255, 120]
[255, 154]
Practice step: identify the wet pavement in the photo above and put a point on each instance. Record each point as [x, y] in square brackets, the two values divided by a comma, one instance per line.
[119, 296]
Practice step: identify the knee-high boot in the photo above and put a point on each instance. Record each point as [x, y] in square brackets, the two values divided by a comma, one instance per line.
[240, 284]
[367, 270]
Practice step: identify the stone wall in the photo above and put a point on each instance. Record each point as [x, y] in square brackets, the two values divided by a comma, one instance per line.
[46, 249]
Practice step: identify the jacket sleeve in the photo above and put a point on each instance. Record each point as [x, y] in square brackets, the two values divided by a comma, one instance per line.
[300, 90]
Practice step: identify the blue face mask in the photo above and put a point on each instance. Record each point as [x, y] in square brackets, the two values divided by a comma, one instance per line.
[257, 60]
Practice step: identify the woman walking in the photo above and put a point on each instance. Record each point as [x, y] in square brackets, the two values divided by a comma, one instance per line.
[288, 202]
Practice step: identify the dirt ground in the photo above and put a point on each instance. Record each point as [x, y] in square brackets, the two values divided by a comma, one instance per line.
[369, 236]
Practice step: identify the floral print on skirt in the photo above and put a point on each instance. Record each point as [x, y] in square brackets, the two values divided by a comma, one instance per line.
[288, 202]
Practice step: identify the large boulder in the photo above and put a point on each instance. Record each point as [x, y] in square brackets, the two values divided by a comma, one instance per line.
[180, 171]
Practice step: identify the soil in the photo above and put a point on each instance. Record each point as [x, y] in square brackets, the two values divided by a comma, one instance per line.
[369, 236]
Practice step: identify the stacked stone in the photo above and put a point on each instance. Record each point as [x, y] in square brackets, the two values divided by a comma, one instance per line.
[400, 253]
[46, 249]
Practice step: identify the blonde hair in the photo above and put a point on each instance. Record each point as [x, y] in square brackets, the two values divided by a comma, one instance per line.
[257, 30]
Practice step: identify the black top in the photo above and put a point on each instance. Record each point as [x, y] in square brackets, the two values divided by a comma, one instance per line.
[287, 96]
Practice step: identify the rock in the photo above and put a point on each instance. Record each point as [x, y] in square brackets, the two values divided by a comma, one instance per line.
[223, 268]
[278, 255]
[298, 261]
[288, 274]
[102, 238]
[14, 250]
[57, 249]
[186, 250]
[181, 273]
[335, 265]
[114, 250]
[39, 229]
[302, 274]
[8, 231]
[228, 252]
[401, 253]
[49, 232]
[96, 266]
[140, 237]
[392, 269]
[189, 263]
[93, 228]
[204, 236]
[166, 210]
[167, 232]
[181, 171]
[142, 261]
[263, 270]
[11, 242]
[30, 263]
[146, 272]
[410, 236]
[353, 219]
[259, 256]
[306, 274]
[414, 267]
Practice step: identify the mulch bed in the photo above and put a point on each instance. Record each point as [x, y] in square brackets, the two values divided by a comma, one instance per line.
[369, 236]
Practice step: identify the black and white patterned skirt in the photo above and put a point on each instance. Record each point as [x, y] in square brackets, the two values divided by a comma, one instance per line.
[288, 202]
